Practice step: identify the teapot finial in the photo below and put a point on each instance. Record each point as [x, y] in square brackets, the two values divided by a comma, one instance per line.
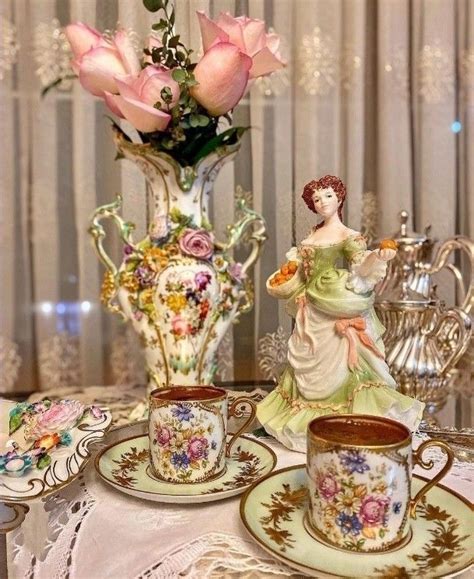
[403, 215]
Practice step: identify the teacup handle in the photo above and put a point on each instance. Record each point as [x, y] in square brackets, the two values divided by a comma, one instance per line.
[418, 459]
[236, 410]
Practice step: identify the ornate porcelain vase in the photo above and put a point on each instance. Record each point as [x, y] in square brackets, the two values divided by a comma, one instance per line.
[179, 286]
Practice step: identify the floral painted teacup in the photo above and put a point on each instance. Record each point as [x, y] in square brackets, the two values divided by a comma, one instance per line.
[359, 479]
[188, 429]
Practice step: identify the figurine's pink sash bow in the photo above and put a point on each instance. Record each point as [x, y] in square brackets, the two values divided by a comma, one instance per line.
[344, 327]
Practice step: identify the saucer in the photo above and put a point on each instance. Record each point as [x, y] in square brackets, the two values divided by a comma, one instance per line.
[273, 512]
[125, 466]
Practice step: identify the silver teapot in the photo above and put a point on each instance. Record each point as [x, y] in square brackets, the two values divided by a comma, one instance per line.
[424, 340]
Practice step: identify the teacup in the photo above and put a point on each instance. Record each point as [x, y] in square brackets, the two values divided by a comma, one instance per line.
[359, 476]
[188, 430]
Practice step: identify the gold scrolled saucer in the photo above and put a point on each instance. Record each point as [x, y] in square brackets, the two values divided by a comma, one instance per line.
[125, 465]
[442, 542]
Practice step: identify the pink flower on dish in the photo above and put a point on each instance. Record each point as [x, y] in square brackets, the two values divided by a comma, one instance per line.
[163, 436]
[222, 74]
[373, 509]
[97, 61]
[138, 95]
[327, 486]
[248, 35]
[197, 243]
[180, 326]
[197, 447]
[60, 416]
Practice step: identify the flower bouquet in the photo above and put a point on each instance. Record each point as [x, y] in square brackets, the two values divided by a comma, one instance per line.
[179, 286]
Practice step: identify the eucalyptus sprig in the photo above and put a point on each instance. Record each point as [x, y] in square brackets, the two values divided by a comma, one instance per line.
[192, 132]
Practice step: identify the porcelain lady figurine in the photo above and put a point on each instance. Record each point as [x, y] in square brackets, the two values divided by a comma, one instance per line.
[335, 353]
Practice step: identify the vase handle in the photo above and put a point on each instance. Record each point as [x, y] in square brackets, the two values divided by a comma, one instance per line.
[256, 238]
[110, 284]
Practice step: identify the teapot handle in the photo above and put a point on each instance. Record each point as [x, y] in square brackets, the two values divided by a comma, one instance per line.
[463, 323]
[441, 260]
[110, 284]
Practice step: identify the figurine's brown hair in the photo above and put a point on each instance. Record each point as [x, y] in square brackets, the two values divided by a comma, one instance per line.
[324, 183]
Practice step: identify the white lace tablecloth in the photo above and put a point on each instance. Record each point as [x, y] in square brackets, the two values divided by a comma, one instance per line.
[89, 531]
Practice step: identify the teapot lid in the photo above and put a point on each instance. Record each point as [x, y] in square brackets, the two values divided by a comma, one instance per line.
[406, 237]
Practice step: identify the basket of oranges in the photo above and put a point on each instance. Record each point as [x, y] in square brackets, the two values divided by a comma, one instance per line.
[285, 281]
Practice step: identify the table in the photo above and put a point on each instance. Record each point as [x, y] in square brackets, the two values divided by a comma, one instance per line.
[89, 530]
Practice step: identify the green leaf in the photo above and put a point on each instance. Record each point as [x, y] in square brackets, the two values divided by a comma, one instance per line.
[193, 120]
[203, 121]
[43, 462]
[166, 94]
[228, 137]
[153, 5]
[161, 25]
[179, 75]
[15, 422]
[174, 41]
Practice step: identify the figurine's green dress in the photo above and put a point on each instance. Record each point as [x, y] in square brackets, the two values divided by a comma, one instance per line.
[335, 353]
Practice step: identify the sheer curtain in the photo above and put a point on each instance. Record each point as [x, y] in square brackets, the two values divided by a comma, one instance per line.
[379, 93]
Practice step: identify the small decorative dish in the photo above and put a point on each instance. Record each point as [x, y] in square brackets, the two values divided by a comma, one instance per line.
[45, 445]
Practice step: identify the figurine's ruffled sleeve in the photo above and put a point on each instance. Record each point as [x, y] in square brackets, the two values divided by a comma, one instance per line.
[356, 252]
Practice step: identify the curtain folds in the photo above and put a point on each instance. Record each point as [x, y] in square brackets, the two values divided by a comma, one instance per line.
[378, 93]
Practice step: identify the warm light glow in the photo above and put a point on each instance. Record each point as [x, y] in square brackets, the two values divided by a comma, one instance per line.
[46, 307]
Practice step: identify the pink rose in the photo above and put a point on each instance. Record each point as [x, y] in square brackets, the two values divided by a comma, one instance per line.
[222, 74]
[163, 436]
[97, 61]
[372, 511]
[138, 95]
[180, 326]
[327, 486]
[248, 35]
[197, 243]
[197, 447]
[60, 416]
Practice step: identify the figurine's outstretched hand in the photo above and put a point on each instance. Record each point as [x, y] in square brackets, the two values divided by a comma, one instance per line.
[386, 254]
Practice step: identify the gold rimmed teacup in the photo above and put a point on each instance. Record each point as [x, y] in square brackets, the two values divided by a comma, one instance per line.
[188, 430]
[359, 470]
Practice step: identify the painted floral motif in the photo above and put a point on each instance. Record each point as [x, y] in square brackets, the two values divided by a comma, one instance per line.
[250, 470]
[445, 546]
[183, 443]
[282, 505]
[188, 302]
[129, 462]
[353, 509]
